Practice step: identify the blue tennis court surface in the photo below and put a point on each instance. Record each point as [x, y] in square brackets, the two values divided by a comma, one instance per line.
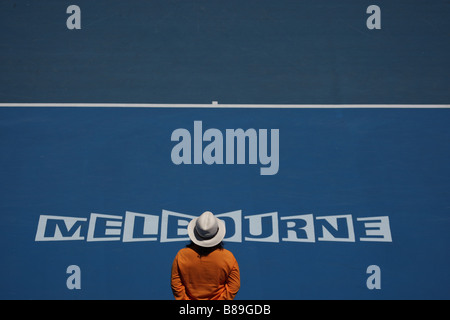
[325, 202]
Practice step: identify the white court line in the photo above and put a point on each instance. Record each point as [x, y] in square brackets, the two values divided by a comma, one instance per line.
[215, 105]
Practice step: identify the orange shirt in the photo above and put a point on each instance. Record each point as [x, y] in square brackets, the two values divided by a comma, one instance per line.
[212, 277]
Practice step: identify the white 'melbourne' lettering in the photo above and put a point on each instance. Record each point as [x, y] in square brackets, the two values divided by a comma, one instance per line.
[337, 224]
[234, 224]
[378, 229]
[182, 221]
[300, 233]
[112, 225]
[265, 227]
[150, 227]
[256, 227]
[64, 228]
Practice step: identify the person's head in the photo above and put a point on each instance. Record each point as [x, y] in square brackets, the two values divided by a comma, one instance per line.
[206, 232]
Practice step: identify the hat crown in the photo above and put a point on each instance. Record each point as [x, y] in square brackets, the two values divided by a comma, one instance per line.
[207, 226]
[206, 230]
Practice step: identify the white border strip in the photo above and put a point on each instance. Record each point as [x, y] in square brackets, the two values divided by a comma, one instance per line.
[214, 104]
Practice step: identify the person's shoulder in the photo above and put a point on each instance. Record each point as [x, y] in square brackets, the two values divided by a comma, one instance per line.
[185, 252]
[228, 253]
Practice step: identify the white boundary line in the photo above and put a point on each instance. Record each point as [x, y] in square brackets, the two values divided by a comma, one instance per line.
[215, 105]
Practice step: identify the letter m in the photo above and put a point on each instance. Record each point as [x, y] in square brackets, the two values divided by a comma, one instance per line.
[56, 228]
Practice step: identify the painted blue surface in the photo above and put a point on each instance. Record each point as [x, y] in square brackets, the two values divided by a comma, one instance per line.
[252, 51]
[73, 162]
[364, 162]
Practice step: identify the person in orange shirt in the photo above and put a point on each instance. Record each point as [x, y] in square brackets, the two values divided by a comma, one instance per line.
[204, 270]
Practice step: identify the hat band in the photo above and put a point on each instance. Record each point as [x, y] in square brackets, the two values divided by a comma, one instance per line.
[198, 235]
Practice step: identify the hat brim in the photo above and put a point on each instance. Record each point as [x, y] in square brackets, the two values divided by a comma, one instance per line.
[206, 242]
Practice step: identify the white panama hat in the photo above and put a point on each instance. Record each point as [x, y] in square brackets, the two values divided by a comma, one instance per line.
[206, 230]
